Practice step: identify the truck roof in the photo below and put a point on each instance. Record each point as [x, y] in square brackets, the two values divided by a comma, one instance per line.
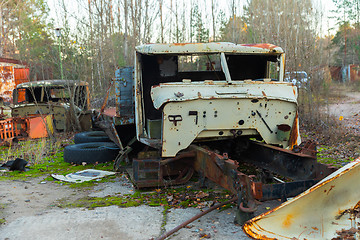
[213, 47]
[52, 83]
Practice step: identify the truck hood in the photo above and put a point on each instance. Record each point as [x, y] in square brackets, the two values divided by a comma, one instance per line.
[185, 91]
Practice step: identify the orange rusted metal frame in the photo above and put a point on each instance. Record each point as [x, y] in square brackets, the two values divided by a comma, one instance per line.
[22, 128]
[223, 171]
[8, 129]
[105, 99]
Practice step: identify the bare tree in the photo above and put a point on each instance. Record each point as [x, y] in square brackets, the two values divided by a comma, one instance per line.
[161, 20]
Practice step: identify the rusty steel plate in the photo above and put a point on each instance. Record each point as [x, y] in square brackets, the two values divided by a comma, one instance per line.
[328, 210]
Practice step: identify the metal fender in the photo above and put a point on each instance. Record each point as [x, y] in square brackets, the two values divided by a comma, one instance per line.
[328, 210]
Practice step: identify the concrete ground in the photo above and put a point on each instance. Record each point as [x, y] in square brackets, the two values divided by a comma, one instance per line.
[30, 213]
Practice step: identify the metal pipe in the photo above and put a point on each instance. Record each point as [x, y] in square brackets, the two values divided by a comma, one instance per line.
[264, 121]
[174, 230]
[58, 35]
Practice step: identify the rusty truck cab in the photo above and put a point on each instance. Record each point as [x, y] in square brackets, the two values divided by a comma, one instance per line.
[53, 97]
[188, 93]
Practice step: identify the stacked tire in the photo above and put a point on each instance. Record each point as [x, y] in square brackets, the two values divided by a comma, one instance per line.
[91, 148]
[91, 136]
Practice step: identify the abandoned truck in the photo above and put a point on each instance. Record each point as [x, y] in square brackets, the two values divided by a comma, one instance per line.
[54, 97]
[196, 107]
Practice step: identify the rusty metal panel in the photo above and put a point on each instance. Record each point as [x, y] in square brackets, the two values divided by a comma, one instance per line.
[325, 211]
[21, 75]
[39, 127]
[124, 91]
[213, 47]
[139, 119]
[7, 82]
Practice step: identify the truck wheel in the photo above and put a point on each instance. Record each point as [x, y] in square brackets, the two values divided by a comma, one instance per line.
[93, 152]
[91, 136]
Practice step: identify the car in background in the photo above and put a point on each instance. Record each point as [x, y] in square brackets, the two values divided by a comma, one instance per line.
[54, 97]
[297, 78]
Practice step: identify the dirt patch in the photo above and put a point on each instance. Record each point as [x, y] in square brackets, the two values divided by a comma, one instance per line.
[347, 111]
[33, 197]
[338, 132]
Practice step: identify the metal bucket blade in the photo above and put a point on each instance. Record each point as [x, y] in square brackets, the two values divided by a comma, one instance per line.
[328, 210]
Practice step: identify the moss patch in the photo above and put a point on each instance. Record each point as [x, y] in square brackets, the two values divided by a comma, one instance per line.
[168, 198]
[325, 157]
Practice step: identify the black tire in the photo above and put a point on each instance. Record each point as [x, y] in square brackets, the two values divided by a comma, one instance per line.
[92, 136]
[94, 152]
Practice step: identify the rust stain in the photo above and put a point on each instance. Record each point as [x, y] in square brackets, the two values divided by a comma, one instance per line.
[288, 221]
[7, 83]
[184, 44]
[331, 188]
[294, 132]
[261, 45]
[263, 93]
[249, 228]
[357, 206]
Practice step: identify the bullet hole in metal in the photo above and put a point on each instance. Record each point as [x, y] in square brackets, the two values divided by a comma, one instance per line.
[235, 132]
[241, 122]
[221, 133]
[254, 100]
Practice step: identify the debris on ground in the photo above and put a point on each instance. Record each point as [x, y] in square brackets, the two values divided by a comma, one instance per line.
[83, 176]
[13, 165]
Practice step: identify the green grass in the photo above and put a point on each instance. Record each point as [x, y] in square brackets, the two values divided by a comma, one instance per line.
[49, 165]
[44, 159]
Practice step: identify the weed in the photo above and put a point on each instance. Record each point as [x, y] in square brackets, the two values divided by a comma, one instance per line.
[164, 219]
[2, 220]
